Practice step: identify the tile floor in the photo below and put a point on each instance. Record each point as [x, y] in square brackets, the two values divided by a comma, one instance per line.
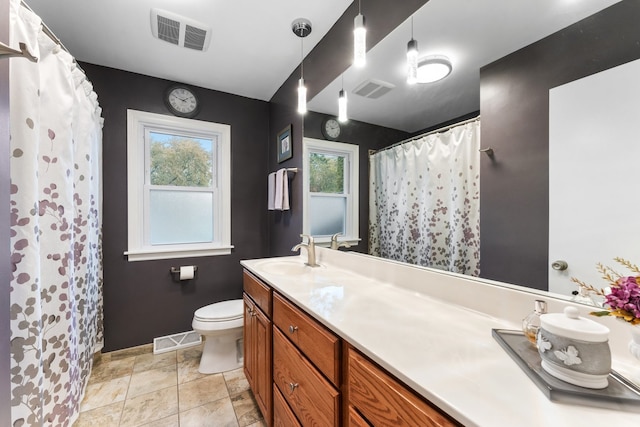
[134, 387]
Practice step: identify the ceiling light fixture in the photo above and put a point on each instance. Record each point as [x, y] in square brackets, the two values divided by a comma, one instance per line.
[359, 39]
[302, 28]
[412, 59]
[433, 68]
[342, 104]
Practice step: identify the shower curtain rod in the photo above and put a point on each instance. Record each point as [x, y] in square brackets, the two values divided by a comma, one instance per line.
[46, 29]
[52, 36]
[431, 132]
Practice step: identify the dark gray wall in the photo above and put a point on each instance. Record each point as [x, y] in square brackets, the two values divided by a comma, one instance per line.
[514, 103]
[5, 259]
[141, 301]
[321, 66]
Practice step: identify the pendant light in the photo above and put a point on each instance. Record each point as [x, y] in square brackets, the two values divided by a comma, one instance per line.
[359, 39]
[342, 104]
[302, 28]
[412, 59]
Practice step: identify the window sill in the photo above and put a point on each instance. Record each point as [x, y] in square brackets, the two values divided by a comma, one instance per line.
[325, 242]
[153, 254]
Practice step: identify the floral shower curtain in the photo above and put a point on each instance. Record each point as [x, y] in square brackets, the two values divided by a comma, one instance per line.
[425, 201]
[56, 288]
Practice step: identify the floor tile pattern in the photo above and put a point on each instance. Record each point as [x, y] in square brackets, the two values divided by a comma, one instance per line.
[134, 387]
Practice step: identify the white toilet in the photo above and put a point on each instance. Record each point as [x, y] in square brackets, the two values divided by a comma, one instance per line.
[220, 324]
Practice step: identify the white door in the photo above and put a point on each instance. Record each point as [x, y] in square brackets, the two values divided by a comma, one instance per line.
[594, 175]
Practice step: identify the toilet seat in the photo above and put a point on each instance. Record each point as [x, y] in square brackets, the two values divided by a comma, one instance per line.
[224, 311]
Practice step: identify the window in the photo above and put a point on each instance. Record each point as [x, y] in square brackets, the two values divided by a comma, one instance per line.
[178, 183]
[330, 190]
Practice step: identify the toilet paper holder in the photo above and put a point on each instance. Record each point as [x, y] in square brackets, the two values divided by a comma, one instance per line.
[175, 272]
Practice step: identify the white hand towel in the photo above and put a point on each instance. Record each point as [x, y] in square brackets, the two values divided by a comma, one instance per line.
[271, 197]
[285, 191]
[279, 189]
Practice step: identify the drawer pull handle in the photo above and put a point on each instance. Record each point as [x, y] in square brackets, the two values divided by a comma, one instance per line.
[292, 386]
[292, 329]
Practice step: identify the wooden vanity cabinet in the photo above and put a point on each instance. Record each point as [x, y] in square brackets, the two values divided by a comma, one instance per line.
[302, 374]
[257, 342]
[384, 401]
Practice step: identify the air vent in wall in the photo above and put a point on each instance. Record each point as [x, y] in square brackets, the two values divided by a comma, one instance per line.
[179, 30]
[373, 88]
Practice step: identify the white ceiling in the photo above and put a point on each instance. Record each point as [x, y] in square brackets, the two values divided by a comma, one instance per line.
[472, 33]
[253, 50]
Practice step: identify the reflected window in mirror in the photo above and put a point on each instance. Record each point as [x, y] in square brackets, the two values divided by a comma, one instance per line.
[330, 190]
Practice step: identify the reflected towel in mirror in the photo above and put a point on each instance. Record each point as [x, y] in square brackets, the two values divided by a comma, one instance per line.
[271, 195]
[281, 202]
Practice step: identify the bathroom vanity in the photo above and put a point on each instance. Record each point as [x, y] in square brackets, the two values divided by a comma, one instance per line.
[363, 341]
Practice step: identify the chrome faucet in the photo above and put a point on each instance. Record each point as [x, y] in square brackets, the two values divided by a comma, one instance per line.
[311, 250]
[335, 244]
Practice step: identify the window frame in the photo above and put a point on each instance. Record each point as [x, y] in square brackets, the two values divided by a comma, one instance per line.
[352, 160]
[139, 123]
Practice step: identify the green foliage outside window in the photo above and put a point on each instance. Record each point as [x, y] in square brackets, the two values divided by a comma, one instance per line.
[180, 161]
[327, 173]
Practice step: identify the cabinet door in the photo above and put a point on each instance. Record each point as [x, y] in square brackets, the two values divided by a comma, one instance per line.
[249, 346]
[263, 377]
[257, 356]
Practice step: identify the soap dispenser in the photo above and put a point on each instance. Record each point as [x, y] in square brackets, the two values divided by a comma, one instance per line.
[531, 323]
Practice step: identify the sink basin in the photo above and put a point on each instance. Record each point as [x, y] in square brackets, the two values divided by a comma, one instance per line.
[286, 267]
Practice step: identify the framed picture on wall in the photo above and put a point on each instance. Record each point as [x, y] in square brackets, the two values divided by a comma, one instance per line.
[285, 144]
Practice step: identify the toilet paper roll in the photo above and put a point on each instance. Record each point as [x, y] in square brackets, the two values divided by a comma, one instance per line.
[186, 272]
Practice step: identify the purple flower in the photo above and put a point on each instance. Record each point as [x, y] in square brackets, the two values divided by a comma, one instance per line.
[625, 295]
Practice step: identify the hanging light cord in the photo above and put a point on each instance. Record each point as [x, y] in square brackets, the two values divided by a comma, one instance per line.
[359, 6]
[302, 57]
[411, 27]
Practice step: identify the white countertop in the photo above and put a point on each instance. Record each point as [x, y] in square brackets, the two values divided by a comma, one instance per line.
[432, 330]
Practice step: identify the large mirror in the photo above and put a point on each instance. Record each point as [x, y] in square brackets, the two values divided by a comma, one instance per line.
[500, 72]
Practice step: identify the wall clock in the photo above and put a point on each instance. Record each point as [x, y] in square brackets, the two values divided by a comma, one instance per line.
[181, 101]
[331, 128]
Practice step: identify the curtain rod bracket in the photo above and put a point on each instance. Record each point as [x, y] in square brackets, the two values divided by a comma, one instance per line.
[488, 151]
[7, 52]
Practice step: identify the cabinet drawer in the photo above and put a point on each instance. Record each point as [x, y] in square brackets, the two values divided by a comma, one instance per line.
[282, 415]
[258, 291]
[312, 398]
[314, 340]
[355, 420]
[384, 401]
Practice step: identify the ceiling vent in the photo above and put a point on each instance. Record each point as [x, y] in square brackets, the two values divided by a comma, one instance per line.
[179, 30]
[373, 88]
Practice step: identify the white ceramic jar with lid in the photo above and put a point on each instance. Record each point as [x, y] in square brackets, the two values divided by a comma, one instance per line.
[575, 349]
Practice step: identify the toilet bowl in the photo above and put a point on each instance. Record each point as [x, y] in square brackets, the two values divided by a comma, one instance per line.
[220, 325]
